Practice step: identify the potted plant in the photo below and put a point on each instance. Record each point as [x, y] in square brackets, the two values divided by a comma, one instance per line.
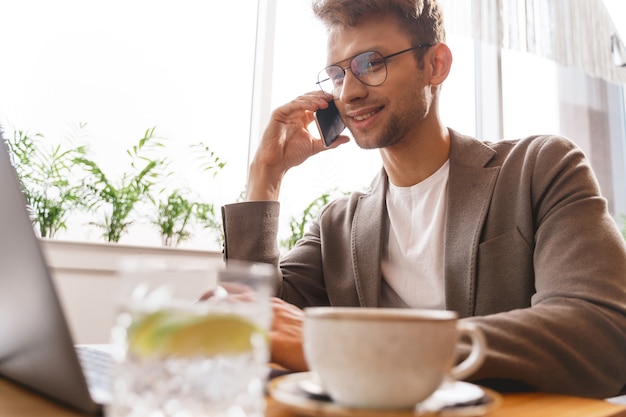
[172, 219]
[179, 212]
[43, 170]
[297, 225]
[54, 189]
[119, 198]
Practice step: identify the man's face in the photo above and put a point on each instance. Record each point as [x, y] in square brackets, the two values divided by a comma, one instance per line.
[387, 114]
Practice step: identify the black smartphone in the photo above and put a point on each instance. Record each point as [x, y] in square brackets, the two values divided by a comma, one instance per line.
[329, 123]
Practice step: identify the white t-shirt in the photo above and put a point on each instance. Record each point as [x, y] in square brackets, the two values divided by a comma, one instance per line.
[413, 255]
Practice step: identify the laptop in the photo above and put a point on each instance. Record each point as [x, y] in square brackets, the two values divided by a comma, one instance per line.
[36, 347]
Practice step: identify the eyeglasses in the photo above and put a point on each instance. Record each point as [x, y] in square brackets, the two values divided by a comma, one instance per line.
[368, 67]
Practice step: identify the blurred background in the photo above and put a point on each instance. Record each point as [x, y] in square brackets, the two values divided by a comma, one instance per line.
[104, 72]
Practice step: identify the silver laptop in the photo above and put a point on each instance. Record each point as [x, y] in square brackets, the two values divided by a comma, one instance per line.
[36, 347]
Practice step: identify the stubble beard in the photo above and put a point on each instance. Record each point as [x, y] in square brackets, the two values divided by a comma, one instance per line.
[399, 125]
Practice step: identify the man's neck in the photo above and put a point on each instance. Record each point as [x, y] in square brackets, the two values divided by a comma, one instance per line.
[417, 158]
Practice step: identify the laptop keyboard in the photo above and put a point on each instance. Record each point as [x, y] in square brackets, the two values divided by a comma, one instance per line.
[97, 364]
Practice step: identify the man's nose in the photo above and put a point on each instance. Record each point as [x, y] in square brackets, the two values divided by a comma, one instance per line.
[351, 88]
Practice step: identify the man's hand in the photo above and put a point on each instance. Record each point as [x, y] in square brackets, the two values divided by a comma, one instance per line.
[286, 143]
[286, 336]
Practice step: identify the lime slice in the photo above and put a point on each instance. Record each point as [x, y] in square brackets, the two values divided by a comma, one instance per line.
[142, 331]
[184, 334]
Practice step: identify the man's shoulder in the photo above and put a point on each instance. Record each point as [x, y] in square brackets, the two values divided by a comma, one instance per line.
[543, 151]
[533, 142]
[547, 145]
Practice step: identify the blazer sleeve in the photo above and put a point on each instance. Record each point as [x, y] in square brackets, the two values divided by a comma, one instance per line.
[251, 230]
[572, 338]
[250, 234]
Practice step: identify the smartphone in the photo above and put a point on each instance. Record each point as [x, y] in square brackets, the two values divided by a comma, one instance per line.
[329, 123]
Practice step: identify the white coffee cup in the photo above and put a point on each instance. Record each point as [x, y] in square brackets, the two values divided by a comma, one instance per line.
[386, 358]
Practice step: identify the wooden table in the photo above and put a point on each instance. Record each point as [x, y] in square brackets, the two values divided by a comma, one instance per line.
[17, 402]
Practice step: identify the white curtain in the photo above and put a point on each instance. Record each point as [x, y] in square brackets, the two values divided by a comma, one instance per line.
[573, 33]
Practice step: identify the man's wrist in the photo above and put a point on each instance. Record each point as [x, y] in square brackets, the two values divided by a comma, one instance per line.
[263, 184]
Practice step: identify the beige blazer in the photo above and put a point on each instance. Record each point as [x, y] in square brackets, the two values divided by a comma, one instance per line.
[532, 256]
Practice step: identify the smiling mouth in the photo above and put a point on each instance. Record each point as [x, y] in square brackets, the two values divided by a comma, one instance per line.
[364, 116]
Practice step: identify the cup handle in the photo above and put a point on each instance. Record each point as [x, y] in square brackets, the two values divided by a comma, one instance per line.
[477, 354]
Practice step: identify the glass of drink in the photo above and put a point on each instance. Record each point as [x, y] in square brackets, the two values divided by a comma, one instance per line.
[192, 338]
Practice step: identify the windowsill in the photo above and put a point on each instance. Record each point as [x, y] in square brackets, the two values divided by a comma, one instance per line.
[84, 275]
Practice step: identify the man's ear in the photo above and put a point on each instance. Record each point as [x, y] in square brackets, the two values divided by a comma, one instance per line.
[441, 61]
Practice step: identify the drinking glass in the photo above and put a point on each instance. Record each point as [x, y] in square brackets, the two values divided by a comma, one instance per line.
[192, 339]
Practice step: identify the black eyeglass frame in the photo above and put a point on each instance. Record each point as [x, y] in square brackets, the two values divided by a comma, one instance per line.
[349, 67]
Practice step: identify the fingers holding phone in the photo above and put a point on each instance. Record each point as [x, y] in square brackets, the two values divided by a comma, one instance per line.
[287, 142]
[328, 120]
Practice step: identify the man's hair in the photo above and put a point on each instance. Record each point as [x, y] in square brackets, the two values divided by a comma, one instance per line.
[421, 19]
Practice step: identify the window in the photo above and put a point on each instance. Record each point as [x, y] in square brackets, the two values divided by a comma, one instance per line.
[541, 97]
[530, 95]
[188, 68]
[124, 67]
[299, 53]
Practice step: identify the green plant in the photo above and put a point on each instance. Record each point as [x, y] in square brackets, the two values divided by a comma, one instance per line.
[134, 187]
[53, 188]
[177, 214]
[173, 217]
[206, 217]
[44, 173]
[209, 160]
[298, 225]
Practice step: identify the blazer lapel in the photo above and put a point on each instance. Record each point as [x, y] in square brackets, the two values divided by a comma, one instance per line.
[367, 237]
[470, 187]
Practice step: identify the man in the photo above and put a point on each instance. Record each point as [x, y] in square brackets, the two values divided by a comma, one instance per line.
[512, 235]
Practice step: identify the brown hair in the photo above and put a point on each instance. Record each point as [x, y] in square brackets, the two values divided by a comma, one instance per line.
[421, 19]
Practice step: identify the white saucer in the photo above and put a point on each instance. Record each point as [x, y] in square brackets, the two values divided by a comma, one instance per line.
[451, 399]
